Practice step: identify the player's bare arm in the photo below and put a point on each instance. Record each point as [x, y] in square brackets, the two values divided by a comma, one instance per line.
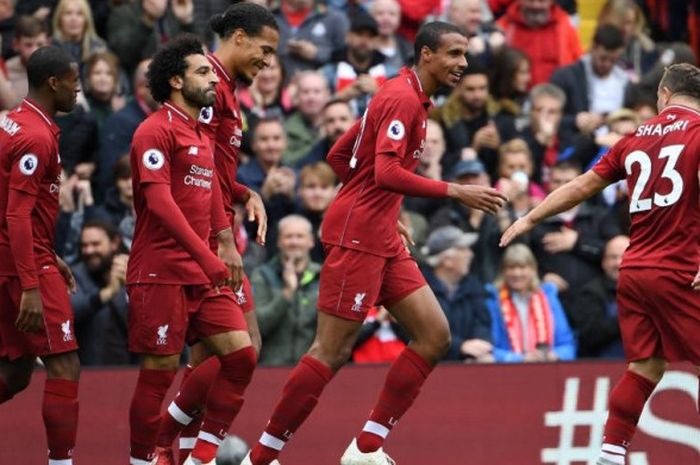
[566, 197]
[228, 254]
[696, 280]
[482, 198]
[67, 274]
[255, 208]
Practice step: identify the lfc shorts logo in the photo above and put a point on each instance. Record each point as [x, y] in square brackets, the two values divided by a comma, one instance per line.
[162, 335]
[359, 297]
[65, 328]
[240, 297]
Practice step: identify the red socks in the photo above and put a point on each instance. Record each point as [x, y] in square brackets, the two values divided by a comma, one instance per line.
[144, 414]
[224, 401]
[60, 412]
[626, 403]
[189, 401]
[403, 384]
[299, 397]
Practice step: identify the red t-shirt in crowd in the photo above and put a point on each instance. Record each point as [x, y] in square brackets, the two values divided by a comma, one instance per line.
[363, 216]
[30, 163]
[170, 147]
[660, 163]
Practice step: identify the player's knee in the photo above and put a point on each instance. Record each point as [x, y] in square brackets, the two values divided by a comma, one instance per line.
[160, 362]
[436, 344]
[18, 382]
[63, 366]
[334, 359]
[652, 369]
[240, 365]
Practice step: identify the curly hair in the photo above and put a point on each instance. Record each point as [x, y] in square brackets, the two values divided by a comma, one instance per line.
[170, 61]
[249, 17]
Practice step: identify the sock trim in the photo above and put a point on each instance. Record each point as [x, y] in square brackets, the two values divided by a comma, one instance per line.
[135, 461]
[178, 415]
[270, 441]
[61, 462]
[210, 438]
[187, 443]
[616, 459]
[376, 428]
[614, 449]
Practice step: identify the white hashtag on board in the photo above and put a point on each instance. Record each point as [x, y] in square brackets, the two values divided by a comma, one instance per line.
[570, 417]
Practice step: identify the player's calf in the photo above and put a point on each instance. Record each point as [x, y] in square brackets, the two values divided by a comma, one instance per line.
[60, 405]
[15, 377]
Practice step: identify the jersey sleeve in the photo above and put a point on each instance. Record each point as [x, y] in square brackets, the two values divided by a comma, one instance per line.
[152, 155]
[610, 166]
[30, 165]
[394, 120]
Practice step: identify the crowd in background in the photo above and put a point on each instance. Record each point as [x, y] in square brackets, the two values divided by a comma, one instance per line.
[534, 109]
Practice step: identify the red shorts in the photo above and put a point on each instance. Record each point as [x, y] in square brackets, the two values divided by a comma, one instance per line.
[58, 334]
[163, 317]
[659, 315]
[352, 282]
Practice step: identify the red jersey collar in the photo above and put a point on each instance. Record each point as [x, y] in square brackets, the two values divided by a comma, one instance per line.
[680, 107]
[413, 80]
[221, 70]
[39, 110]
[171, 108]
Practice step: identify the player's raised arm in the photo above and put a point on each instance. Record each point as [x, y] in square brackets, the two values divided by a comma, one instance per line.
[566, 197]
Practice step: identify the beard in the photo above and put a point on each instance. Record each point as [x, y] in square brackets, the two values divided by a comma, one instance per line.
[98, 264]
[198, 97]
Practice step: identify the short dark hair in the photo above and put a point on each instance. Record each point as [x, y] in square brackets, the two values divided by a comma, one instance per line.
[430, 35]
[111, 230]
[682, 79]
[170, 61]
[29, 26]
[122, 168]
[474, 67]
[336, 101]
[251, 18]
[268, 120]
[609, 37]
[47, 62]
[567, 165]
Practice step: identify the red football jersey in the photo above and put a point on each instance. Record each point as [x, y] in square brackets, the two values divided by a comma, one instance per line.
[29, 162]
[223, 125]
[169, 147]
[363, 216]
[660, 163]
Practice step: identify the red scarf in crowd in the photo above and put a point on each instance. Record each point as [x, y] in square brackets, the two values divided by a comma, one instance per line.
[540, 328]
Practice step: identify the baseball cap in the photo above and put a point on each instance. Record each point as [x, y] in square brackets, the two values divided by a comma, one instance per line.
[466, 167]
[446, 237]
[364, 22]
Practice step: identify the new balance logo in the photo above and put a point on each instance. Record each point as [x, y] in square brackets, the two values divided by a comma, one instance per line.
[162, 335]
[67, 335]
[194, 150]
[359, 297]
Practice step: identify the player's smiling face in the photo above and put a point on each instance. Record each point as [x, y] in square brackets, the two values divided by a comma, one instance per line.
[256, 52]
[449, 60]
[199, 82]
[67, 88]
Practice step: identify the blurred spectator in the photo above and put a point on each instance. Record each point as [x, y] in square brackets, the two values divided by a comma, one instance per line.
[40, 9]
[414, 14]
[381, 339]
[487, 253]
[286, 291]
[461, 295]
[309, 34]
[302, 126]
[316, 192]
[336, 119]
[515, 168]
[7, 27]
[542, 30]
[76, 206]
[78, 144]
[115, 137]
[397, 50]
[136, 29]
[484, 38]
[469, 121]
[263, 172]
[118, 206]
[203, 11]
[594, 86]
[594, 308]
[569, 246]
[509, 82]
[547, 134]
[101, 86]
[356, 72]
[528, 321]
[100, 304]
[30, 34]
[74, 30]
[640, 51]
[266, 97]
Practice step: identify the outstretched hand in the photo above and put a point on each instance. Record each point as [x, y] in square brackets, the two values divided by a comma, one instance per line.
[482, 198]
[521, 226]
